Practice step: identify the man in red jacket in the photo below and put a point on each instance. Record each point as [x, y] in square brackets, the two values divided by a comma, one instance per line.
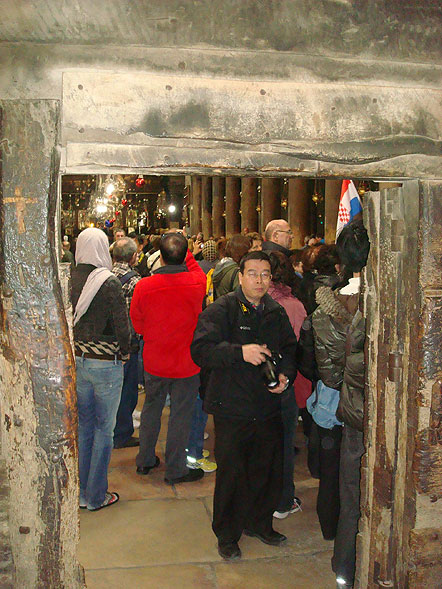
[164, 310]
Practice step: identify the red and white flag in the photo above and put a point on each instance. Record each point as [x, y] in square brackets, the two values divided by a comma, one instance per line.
[349, 206]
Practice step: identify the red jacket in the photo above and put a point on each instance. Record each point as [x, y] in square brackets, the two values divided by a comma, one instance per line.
[164, 310]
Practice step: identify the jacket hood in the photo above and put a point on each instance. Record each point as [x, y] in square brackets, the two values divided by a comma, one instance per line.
[339, 307]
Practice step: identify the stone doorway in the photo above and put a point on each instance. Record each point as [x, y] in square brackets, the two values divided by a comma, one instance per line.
[33, 321]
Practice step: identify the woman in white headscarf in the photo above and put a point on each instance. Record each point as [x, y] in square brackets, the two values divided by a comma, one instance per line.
[101, 338]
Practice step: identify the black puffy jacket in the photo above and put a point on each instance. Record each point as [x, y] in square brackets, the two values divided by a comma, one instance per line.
[351, 400]
[235, 388]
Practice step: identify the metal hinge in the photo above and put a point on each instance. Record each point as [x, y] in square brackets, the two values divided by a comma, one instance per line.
[395, 367]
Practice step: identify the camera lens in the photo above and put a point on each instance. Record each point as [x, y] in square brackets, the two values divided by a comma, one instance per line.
[269, 373]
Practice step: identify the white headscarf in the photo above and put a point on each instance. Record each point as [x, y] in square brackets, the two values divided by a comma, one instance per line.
[92, 248]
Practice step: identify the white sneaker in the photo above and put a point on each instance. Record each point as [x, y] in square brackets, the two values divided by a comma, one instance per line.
[202, 463]
[295, 507]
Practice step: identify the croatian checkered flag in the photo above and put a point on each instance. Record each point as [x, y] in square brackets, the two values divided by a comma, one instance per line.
[349, 205]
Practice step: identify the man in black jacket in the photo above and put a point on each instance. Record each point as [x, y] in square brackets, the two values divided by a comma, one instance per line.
[232, 341]
[278, 237]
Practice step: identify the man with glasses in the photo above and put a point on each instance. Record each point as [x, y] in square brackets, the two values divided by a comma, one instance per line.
[278, 237]
[233, 340]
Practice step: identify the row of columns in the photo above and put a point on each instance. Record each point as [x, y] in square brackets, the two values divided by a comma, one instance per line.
[225, 206]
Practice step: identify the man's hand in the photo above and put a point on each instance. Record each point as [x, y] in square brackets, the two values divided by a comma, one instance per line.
[255, 354]
[283, 380]
[196, 247]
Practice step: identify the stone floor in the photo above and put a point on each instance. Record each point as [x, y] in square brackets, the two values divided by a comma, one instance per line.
[159, 537]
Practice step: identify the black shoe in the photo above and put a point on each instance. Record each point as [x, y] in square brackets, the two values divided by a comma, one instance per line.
[130, 443]
[147, 469]
[273, 538]
[194, 474]
[229, 550]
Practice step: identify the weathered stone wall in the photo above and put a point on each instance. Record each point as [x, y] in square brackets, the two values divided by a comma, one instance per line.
[6, 562]
[36, 364]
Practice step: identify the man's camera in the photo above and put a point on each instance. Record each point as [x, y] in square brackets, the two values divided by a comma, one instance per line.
[270, 370]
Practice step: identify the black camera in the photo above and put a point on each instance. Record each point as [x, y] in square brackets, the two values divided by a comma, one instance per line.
[270, 371]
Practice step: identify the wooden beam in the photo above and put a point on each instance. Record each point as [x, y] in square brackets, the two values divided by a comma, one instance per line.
[218, 206]
[206, 206]
[332, 197]
[298, 204]
[249, 201]
[271, 200]
[233, 204]
[195, 213]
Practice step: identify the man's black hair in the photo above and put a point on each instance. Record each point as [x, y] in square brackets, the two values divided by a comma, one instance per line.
[173, 248]
[259, 255]
[353, 246]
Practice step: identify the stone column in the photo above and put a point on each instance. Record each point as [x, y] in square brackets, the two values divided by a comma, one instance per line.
[271, 200]
[37, 367]
[298, 203]
[195, 199]
[206, 206]
[249, 201]
[233, 203]
[218, 192]
[332, 197]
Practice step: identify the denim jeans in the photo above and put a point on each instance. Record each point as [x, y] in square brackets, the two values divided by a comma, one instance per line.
[99, 385]
[196, 438]
[124, 427]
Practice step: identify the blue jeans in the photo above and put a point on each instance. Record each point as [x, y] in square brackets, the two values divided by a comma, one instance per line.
[99, 385]
[196, 438]
[124, 427]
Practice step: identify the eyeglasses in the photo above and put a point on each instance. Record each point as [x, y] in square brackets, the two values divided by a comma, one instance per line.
[265, 275]
[289, 231]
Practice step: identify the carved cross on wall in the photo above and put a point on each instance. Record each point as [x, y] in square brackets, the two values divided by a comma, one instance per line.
[20, 203]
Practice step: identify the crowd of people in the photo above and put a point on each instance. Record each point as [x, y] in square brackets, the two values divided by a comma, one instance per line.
[247, 330]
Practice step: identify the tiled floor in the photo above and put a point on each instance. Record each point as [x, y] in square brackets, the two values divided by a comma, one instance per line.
[159, 537]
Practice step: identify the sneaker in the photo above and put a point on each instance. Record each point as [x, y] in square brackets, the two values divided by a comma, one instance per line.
[83, 503]
[295, 507]
[194, 474]
[202, 463]
[109, 499]
[136, 414]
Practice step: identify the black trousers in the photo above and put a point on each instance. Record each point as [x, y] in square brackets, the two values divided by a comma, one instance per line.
[328, 503]
[344, 557]
[249, 456]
